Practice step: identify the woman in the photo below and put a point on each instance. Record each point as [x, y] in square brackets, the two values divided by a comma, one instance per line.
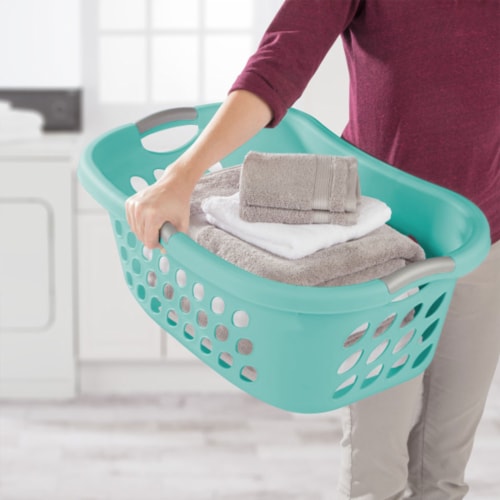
[424, 96]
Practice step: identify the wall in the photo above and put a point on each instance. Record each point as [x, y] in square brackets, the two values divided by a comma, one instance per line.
[40, 43]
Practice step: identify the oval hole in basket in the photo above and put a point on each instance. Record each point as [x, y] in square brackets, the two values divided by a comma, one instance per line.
[155, 305]
[356, 334]
[185, 305]
[429, 330]
[170, 139]
[138, 183]
[345, 387]
[189, 331]
[202, 318]
[206, 345]
[240, 319]
[377, 352]
[172, 317]
[248, 374]
[403, 341]
[421, 357]
[435, 306]
[350, 362]
[398, 366]
[372, 376]
[221, 333]
[198, 291]
[225, 360]
[244, 346]
[385, 325]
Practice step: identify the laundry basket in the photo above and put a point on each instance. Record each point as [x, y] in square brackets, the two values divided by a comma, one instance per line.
[303, 349]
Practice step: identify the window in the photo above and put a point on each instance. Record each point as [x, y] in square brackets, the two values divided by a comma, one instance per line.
[144, 55]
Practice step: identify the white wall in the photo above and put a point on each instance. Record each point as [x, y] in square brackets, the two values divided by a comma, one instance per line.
[40, 43]
[327, 95]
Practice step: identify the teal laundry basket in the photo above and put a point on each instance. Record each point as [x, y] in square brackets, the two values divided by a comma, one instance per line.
[302, 349]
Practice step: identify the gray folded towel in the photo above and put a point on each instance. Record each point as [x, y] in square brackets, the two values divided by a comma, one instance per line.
[376, 255]
[299, 189]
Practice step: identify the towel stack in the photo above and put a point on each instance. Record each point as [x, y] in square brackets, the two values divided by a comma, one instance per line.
[299, 189]
[323, 254]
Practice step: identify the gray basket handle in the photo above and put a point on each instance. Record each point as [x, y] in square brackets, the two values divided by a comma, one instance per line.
[418, 270]
[167, 231]
[167, 116]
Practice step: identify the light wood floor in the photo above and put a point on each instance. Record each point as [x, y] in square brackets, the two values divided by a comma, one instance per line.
[192, 447]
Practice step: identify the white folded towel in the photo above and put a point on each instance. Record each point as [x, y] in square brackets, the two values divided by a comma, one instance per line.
[292, 241]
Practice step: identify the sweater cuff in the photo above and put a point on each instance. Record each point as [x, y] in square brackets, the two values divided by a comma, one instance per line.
[255, 83]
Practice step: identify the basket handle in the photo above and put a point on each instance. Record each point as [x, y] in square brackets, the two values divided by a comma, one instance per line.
[418, 270]
[167, 230]
[151, 122]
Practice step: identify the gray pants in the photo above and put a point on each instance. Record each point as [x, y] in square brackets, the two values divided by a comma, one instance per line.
[417, 437]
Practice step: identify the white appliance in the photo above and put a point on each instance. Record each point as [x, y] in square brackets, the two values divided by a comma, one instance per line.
[37, 357]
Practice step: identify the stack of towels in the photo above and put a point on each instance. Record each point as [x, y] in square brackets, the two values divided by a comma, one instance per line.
[298, 219]
[19, 124]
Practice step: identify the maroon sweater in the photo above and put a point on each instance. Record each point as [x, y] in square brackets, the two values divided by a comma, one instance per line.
[424, 83]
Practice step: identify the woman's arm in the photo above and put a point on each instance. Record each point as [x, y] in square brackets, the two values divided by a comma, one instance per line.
[240, 117]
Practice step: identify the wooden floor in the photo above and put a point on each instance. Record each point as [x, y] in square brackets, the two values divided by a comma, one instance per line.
[192, 447]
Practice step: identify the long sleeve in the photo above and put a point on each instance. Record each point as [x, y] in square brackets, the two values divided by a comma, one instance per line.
[291, 50]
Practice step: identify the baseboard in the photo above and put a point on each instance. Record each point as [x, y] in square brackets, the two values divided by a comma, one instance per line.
[128, 378]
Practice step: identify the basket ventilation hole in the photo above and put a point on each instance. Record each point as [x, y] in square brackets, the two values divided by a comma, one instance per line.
[221, 333]
[118, 228]
[172, 317]
[248, 374]
[189, 331]
[348, 363]
[185, 305]
[421, 357]
[412, 314]
[168, 291]
[158, 173]
[131, 240]
[429, 330]
[141, 292]
[215, 167]
[398, 366]
[372, 376]
[435, 306]
[345, 387]
[181, 277]
[244, 346]
[155, 305]
[356, 334]
[225, 360]
[406, 294]
[217, 305]
[147, 253]
[151, 278]
[403, 341]
[202, 319]
[124, 253]
[128, 278]
[136, 266]
[240, 319]
[385, 325]
[377, 352]
[206, 345]
[198, 291]
[164, 265]
[138, 183]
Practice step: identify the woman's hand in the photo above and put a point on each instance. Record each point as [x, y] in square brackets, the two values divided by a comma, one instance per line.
[239, 118]
[167, 200]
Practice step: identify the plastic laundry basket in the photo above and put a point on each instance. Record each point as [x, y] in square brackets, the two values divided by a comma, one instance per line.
[303, 349]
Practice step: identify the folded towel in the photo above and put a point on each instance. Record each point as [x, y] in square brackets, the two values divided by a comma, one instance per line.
[293, 241]
[378, 254]
[299, 189]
